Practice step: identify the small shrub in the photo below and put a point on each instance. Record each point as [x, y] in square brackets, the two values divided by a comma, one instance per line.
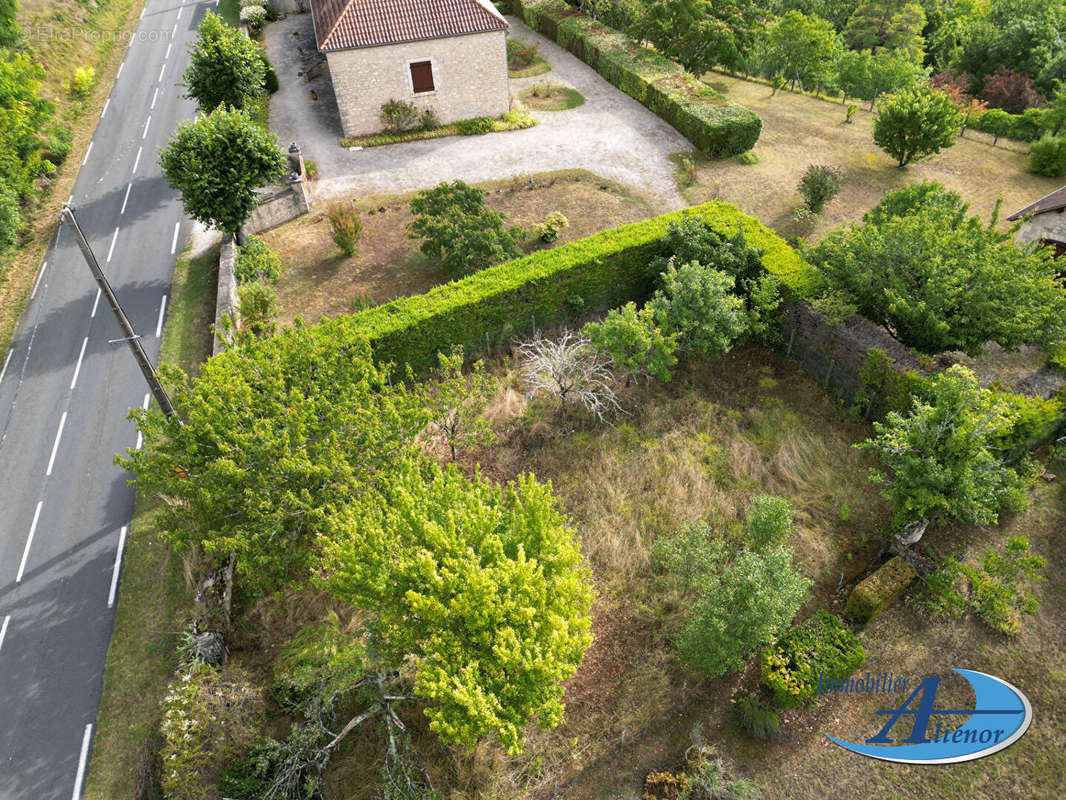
[634, 343]
[344, 227]
[548, 231]
[476, 126]
[568, 369]
[748, 158]
[427, 121]
[520, 55]
[819, 185]
[849, 115]
[998, 590]
[804, 219]
[664, 786]
[398, 116]
[361, 302]
[696, 304]
[685, 169]
[310, 169]
[822, 647]
[258, 303]
[1047, 156]
[253, 17]
[81, 85]
[709, 776]
[256, 262]
[270, 77]
[756, 719]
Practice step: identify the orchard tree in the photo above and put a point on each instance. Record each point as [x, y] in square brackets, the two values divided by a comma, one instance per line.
[916, 123]
[458, 230]
[481, 593]
[225, 67]
[854, 74]
[634, 343]
[801, 48]
[941, 281]
[456, 402]
[738, 598]
[893, 71]
[278, 435]
[217, 162]
[698, 34]
[941, 455]
[696, 305]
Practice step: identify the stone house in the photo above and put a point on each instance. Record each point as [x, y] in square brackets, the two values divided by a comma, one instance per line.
[446, 55]
[1045, 221]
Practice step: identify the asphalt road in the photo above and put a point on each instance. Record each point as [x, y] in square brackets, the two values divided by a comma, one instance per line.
[65, 390]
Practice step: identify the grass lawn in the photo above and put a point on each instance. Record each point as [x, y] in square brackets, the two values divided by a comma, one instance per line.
[551, 98]
[319, 282]
[154, 598]
[800, 130]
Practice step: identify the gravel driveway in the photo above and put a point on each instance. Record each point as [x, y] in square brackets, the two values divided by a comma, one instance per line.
[611, 134]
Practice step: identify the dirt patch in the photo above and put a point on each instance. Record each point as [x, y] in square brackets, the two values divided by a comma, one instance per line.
[319, 282]
[799, 131]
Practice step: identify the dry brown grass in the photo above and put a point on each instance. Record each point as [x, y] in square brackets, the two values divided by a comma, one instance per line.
[800, 130]
[320, 282]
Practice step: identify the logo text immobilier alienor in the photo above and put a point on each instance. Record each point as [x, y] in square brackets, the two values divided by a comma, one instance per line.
[1001, 714]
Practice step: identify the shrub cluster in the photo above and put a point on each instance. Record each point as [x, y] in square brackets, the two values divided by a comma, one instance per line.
[820, 647]
[1026, 127]
[708, 119]
[1047, 156]
[604, 270]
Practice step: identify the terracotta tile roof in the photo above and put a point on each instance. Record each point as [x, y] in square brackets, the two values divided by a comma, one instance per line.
[1052, 202]
[346, 24]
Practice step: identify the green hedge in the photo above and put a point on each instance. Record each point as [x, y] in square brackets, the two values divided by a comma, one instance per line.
[713, 123]
[602, 271]
[821, 646]
[1026, 127]
[877, 591]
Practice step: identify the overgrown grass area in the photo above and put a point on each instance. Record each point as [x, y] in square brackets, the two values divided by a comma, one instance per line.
[318, 281]
[538, 67]
[154, 599]
[697, 448]
[62, 35]
[799, 130]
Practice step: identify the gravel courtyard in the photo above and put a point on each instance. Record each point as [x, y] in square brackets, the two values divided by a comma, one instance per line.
[611, 134]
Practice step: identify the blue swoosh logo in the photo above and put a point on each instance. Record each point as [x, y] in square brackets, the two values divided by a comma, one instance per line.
[995, 700]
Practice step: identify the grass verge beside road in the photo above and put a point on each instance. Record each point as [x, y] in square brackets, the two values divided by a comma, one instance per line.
[153, 597]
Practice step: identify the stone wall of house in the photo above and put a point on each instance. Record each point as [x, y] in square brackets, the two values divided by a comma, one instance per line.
[469, 76]
[1051, 225]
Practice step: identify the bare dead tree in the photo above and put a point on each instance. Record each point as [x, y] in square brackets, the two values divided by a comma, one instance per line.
[569, 369]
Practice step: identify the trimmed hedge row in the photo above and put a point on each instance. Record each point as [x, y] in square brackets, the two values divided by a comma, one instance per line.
[1026, 127]
[605, 270]
[713, 123]
[820, 648]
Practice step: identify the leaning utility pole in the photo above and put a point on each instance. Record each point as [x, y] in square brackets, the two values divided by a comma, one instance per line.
[131, 337]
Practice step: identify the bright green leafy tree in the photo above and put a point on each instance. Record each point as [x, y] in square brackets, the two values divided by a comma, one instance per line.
[802, 48]
[278, 435]
[634, 342]
[225, 67]
[700, 35]
[941, 281]
[696, 305]
[217, 162]
[483, 592]
[916, 123]
[740, 597]
[458, 230]
[941, 455]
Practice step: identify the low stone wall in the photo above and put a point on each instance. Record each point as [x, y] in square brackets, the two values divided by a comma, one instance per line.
[277, 208]
[226, 301]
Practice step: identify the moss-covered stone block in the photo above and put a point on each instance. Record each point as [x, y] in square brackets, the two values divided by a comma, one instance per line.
[876, 592]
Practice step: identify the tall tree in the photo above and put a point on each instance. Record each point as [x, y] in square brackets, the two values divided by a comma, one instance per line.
[916, 123]
[889, 24]
[942, 281]
[698, 34]
[481, 592]
[802, 48]
[278, 434]
[217, 162]
[225, 66]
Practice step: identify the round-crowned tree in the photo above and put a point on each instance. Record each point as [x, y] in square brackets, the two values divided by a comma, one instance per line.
[916, 123]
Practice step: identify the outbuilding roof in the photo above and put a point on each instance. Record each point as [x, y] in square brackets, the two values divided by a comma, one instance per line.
[347, 24]
[1056, 201]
